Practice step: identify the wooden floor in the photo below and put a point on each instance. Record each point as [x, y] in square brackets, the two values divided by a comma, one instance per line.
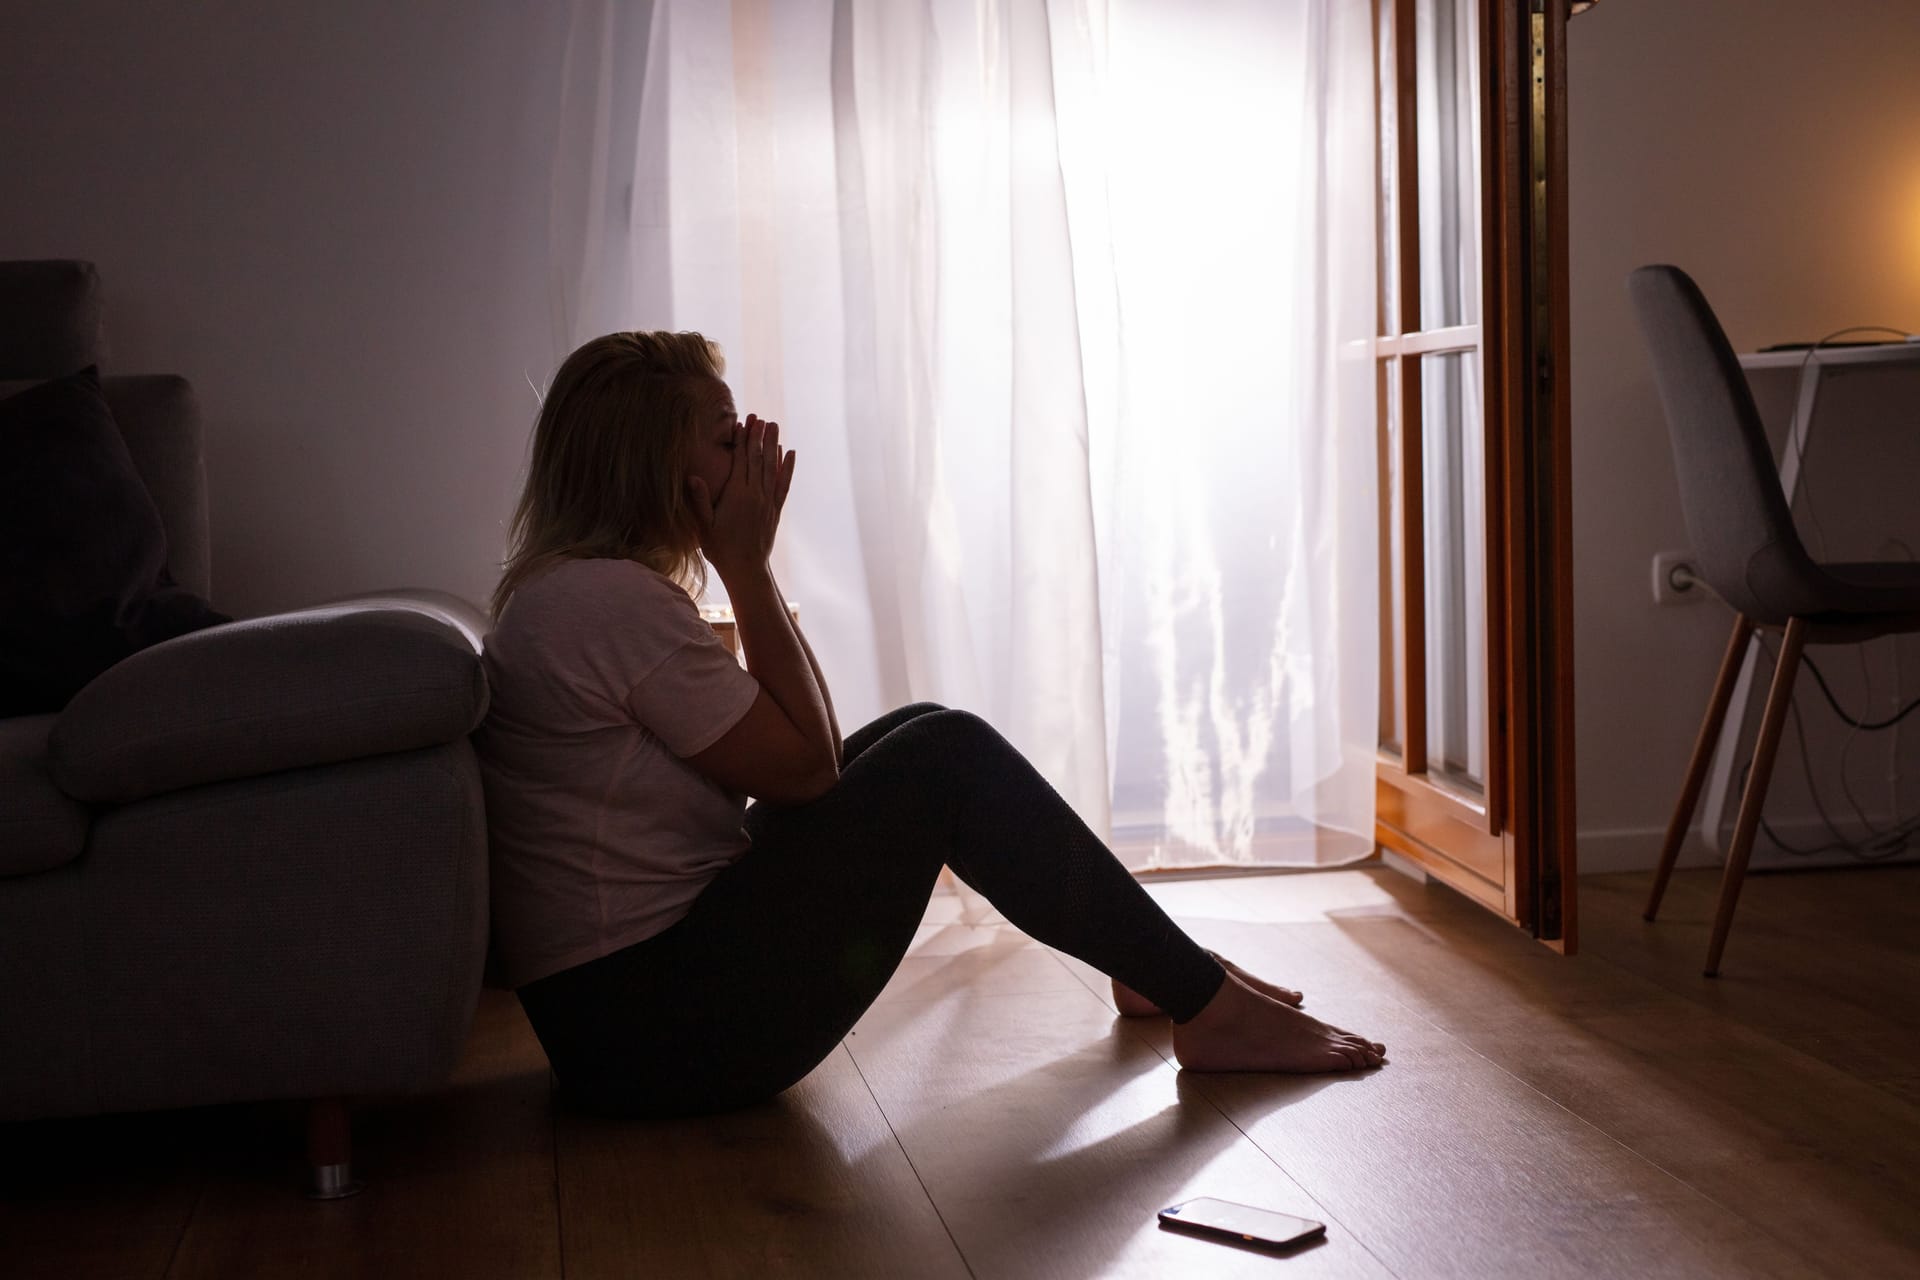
[1614, 1114]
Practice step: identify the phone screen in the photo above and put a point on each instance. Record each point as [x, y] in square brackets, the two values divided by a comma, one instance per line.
[1241, 1222]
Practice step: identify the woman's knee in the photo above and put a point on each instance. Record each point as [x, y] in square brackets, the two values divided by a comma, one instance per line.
[952, 745]
[862, 739]
[945, 735]
[963, 730]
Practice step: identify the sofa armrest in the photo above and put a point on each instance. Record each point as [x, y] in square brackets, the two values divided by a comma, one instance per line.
[454, 610]
[311, 687]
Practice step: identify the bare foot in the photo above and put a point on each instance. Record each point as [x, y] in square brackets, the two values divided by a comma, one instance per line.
[1134, 1005]
[1243, 1030]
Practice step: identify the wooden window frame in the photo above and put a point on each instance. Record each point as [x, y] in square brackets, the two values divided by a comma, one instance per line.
[1510, 847]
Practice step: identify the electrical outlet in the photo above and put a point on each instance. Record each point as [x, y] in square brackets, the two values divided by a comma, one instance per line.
[1675, 579]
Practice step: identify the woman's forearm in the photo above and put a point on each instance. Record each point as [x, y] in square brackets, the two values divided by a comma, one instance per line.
[819, 680]
[779, 659]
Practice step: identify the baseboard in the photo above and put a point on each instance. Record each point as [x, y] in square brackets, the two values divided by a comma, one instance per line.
[1638, 849]
[1404, 865]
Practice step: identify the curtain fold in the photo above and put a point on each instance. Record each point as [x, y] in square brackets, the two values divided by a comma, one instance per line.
[1066, 308]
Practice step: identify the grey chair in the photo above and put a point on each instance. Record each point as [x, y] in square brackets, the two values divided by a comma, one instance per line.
[1748, 552]
[250, 862]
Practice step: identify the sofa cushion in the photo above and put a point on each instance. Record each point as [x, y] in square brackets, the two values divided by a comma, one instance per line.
[312, 687]
[159, 417]
[40, 827]
[83, 554]
[50, 318]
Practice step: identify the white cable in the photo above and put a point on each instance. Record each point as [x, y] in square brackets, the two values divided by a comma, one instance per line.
[1797, 432]
[1893, 750]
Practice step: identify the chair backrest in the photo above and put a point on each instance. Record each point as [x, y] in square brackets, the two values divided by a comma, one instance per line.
[1737, 516]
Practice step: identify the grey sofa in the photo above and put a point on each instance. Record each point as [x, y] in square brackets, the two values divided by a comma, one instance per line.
[250, 862]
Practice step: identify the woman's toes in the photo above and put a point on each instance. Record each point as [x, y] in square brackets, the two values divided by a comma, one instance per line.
[1285, 995]
[1373, 1048]
[1354, 1035]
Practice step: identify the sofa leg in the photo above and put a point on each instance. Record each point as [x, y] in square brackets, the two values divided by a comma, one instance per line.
[330, 1151]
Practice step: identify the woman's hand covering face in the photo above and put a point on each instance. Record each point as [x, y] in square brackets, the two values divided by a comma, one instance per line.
[738, 524]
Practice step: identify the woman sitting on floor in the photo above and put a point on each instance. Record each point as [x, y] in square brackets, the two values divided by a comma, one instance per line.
[676, 951]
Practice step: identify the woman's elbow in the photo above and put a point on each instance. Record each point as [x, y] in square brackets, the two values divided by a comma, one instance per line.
[806, 787]
[824, 779]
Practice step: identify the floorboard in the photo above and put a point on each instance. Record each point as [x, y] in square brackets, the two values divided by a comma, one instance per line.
[459, 1182]
[1495, 1177]
[812, 1183]
[1822, 1163]
[1612, 1113]
[102, 1197]
[1050, 1137]
[1852, 1006]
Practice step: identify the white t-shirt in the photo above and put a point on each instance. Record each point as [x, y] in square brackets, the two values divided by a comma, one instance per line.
[600, 834]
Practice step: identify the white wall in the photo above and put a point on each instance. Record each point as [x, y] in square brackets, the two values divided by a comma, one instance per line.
[1772, 149]
[332, 218]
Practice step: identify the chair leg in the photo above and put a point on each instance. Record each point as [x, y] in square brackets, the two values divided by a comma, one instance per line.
[330, 1151]
[1702, 754]
[1779, 698]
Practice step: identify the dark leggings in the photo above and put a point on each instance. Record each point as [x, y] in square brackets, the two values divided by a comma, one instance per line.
[786, 948]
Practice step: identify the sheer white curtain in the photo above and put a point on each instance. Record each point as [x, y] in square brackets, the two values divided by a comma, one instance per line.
[1066, 308]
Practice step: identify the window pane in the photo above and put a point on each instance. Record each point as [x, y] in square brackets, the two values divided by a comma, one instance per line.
[1456, 558]
[1389, 224]
[1393, 654]
[1447, 96]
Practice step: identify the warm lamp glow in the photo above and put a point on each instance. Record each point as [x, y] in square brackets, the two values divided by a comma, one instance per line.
[1908, 233]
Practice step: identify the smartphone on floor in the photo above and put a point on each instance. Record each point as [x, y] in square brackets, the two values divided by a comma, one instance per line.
[1224, 1219]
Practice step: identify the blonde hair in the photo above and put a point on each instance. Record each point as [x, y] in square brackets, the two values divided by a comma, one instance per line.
[609, 459]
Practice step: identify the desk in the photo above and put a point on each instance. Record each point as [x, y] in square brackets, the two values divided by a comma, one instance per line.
[1851, 474]
[1812, 371]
